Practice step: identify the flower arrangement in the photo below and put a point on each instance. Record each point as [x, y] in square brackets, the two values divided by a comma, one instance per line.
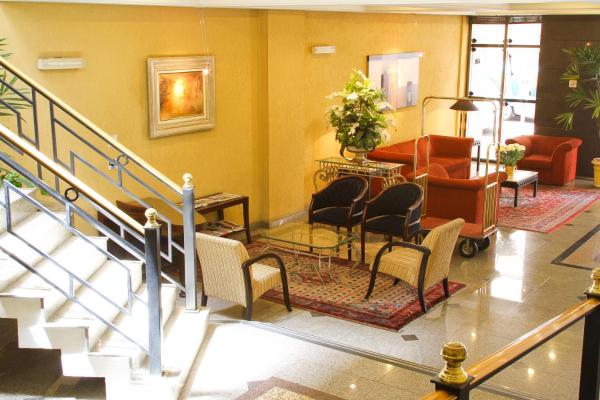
[510, 154]
[360, 121]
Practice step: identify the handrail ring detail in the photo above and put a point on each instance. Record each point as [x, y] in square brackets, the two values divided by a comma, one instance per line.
[71, 194]
[122, 160]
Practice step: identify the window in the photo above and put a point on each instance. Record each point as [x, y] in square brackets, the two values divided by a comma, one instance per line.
[503, 66]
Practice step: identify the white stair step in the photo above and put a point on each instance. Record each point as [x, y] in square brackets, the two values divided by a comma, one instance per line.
[77, 256]
[41, 231]
[183, 338]
[20, 207]
[136, 326]
[115, 354]
[111, 281]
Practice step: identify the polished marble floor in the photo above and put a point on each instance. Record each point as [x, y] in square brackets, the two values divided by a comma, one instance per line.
[511, 288]
[238, 354]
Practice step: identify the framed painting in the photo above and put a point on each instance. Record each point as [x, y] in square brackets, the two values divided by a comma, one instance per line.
[398, 76]
[181, 95]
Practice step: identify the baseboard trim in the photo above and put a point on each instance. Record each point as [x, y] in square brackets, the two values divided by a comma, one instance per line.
[301, 215]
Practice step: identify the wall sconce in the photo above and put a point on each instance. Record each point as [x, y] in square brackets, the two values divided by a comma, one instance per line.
[60, 63]
[323, 49]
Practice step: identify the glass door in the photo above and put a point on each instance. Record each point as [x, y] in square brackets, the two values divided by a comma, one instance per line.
[503, 66]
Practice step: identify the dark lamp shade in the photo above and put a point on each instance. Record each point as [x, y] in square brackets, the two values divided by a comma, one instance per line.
[464, 105]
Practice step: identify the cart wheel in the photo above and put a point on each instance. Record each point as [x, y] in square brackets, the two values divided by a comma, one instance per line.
[484, 243]
[468, 248]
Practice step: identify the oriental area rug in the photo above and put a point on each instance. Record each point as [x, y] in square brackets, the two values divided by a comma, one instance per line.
[341, 292]
[552, 207]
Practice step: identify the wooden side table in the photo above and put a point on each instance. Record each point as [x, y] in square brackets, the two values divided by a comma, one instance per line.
[220, 206]
[521, 178]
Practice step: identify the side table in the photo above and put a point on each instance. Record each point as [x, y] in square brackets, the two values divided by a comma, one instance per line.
[521, 178]
[212, 203]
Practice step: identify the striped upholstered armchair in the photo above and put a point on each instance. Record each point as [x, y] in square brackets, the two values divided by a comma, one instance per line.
[421, 266]
[229, 273]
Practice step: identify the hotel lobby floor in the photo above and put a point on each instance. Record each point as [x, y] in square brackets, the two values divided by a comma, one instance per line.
[241, 361]
[520, 282]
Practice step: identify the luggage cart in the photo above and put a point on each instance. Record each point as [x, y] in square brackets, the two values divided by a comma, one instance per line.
[475, 236]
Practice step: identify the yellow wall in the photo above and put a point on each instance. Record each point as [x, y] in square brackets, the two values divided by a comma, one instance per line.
[270, 90]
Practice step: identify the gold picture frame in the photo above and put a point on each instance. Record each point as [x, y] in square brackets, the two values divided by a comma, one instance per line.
[181, 95]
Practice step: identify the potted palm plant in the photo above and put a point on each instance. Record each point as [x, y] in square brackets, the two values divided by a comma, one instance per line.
[583, 74]
[360, 123]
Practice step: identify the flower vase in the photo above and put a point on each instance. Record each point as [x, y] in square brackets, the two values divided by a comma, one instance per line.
[510, 171]
[360, 154]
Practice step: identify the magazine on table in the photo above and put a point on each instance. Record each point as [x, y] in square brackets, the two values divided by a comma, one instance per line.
[215, 198]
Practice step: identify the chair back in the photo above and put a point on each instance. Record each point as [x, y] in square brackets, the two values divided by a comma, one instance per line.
[441, 242]
[341, 192]
[395, 200]
[221, 264]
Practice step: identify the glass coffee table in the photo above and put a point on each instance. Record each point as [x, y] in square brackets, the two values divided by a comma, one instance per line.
[301, 238]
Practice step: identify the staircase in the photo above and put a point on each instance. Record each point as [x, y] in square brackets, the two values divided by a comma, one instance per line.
[109, 318]
[37, 372]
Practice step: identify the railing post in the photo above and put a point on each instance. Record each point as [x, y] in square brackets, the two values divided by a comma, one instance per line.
[189, 242]
[152, 251]
[453, 378]
[589, 379]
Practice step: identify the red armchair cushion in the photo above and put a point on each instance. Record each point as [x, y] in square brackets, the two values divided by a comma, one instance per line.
[536, 161]
[553, 157]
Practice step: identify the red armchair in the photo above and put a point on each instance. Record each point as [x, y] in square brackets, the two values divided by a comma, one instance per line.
[553, 157]
[451, 198]
[451, 152]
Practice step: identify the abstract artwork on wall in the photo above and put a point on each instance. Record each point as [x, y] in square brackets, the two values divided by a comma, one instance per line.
[180, 95]
[398, 76]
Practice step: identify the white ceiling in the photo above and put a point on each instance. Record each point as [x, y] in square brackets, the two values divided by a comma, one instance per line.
[464, 7]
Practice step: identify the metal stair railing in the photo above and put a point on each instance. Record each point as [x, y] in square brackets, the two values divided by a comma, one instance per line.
[81, 147]
[78, 192]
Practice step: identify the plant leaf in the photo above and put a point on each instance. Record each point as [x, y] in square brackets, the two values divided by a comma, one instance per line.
[565, 120]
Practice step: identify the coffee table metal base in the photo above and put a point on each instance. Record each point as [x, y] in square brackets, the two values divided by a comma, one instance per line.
[297, 251]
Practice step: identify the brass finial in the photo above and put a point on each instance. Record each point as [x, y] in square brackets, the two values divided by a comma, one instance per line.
[595, 288]
[187, 181]
[454, 354]
[151, 216]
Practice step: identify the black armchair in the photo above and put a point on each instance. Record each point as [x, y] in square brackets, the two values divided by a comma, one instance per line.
[394, 212]
[340, 204]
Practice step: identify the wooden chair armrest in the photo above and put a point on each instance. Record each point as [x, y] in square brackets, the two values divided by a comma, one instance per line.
[246, 264]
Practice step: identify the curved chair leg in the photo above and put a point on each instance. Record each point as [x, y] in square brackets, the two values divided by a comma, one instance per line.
[371, 283]
[248, 310]
[422, 301]
[203, 299]
[286, 292]
[390, 240]
[446, 288]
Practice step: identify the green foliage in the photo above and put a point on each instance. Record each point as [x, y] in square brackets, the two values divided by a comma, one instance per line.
[511, 154]
[584, 68]
[360, 121]
[7, 96]
[14, 178]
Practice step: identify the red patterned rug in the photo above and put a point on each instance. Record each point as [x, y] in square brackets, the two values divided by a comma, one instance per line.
[553, 207]
[342, 295]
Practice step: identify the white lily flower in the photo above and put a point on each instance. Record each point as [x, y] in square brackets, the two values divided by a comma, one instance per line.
[352, 96]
